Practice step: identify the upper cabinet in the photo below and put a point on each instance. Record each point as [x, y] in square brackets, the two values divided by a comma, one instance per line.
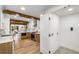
[4, 22]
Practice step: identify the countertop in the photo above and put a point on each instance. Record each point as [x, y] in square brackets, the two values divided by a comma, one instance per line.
[5, 38]
[5, 35]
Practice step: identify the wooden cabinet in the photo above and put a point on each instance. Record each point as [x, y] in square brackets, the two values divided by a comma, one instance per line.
[6, 48]
[26, 35]
[37, 37]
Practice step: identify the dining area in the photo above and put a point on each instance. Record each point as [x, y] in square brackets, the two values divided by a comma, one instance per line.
[31, 36]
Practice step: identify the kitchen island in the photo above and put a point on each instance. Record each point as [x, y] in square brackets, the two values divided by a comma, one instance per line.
[6, 44]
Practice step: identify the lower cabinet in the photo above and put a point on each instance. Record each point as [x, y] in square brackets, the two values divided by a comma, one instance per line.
[37, 37]
[26, 35]
[6, 48]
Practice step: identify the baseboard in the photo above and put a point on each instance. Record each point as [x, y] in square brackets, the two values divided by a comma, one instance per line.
[56, 50]
[41, 53]
[68, 49]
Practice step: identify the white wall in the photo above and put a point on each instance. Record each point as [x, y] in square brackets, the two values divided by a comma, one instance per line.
[70, 39]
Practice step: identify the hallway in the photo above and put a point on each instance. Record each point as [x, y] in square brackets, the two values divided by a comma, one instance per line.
[27, 46]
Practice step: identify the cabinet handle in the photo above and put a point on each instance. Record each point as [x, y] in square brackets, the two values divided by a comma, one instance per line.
[49, 18]
[49, 35]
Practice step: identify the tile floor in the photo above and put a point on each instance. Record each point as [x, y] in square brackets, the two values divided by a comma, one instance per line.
[63, 50]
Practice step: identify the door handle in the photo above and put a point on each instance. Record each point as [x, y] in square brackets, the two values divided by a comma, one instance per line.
[49, 18]
[49, 35]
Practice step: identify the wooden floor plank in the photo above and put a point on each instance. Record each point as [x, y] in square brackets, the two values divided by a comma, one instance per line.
[27, 46]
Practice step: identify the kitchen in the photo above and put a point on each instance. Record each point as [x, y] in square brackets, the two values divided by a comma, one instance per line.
[15, 28]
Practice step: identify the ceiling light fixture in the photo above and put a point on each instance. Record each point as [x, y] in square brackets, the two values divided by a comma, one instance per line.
[41, 15]
[70, 9]
[23, 8]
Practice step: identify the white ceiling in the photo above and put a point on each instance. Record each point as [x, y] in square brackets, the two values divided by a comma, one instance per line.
[36, 10]
[33, 10]
[64, 11]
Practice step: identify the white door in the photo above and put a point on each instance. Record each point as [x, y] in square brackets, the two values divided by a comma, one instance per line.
[44, 39]
[53, 32]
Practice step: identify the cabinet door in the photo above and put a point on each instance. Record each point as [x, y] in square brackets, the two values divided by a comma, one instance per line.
[44, 44]
[53, 31]
[6, 48]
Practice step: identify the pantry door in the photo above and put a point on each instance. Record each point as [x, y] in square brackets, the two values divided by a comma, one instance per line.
[53, 32]
[44, 38]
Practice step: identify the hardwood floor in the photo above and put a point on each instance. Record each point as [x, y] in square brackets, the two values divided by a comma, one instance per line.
[27, 46]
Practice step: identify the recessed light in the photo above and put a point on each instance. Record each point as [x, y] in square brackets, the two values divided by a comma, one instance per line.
[70, 9]
[23, 8]
[41, 15]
